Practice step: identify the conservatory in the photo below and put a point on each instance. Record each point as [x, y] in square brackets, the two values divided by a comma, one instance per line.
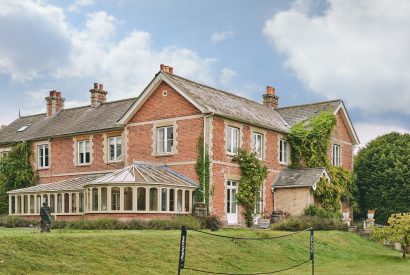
[141, 188]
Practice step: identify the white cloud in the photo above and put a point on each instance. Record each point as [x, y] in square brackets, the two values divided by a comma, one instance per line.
[356, 50]
[218, 37]
[78, 4]
[34, 39]
[369, 131]
[227, 75]
[38, 42]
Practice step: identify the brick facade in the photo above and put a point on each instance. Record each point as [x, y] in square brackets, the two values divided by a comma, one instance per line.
[166, 107]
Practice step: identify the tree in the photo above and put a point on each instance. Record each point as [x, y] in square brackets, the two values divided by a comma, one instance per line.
[397, 231]
[382, 176]
[15, 172]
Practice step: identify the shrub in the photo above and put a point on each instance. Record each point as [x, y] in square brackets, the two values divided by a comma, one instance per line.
[303, 222]
[207, 221]
[14, 221]
[314, 211]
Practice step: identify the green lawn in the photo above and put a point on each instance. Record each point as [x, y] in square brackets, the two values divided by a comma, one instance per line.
[26, 251]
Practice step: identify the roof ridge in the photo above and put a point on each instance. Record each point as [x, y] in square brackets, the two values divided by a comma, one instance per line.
[84, 106]
[216, 89]
[309, 104]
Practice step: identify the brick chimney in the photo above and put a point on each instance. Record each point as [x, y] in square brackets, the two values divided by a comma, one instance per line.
[55, 103]
[270, 99]
[166, 69]
[98, 95]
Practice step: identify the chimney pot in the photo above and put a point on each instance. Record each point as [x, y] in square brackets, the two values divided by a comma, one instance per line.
[166, 69]
[95, 85]
[270, 99]
[101, 87]
[54, 103]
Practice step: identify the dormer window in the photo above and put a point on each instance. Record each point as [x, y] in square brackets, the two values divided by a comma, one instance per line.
[21, 129]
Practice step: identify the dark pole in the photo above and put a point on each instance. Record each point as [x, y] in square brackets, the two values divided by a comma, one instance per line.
[182, 248]
[312, 251]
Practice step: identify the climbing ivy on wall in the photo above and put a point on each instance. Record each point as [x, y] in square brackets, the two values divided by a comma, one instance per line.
[15, 172]
[202, 167]
[253, 174]
[310, 141]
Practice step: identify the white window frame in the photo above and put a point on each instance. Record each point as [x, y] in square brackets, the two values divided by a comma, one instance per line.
[116, 143]
[233, 147]
[79, 142]
[283, 151]
[259, 153]
[42, 156]
[166, 129]
[259, 203]
[336, 153]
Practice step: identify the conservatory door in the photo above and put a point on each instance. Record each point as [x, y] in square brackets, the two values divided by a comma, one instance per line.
[231, 205]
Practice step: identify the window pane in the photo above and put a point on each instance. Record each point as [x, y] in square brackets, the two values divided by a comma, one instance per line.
[160, 140]
[112, 152]
[170, 143]
[52, 203]
[153, 199]
[81, 202]
[87, 157]
[170, 133]
[141, 197]
[59, 203]
[186, 201]
[234, 140]
[104, 199]
[163, 199]
[115, 198]
[171, 200]
[128, 198]
[95, 199]
[179, 201]
[66, 203]
[118, 149]
[73, 203]
[46, 155]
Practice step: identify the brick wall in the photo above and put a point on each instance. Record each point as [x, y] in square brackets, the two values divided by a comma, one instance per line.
[63, 163]
[341, 136]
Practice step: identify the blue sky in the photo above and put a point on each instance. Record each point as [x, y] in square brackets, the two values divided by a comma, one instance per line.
[308, 50]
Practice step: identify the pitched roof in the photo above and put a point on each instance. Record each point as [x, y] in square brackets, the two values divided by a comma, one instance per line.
[67, 122]
[305, 177]
[75, 184]
[146, 173]
[210, 100]
[295, 114]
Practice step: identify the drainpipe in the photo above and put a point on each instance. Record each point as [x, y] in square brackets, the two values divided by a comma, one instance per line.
[209, 115]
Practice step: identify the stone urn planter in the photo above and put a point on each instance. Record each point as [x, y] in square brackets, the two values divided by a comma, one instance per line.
[370, 214]
[263, 223]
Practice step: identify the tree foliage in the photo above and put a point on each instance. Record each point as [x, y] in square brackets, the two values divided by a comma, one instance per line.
[382, 172]
[398, 230]
[253, 175]
[310, 142]
[15, 172]
[202, 167]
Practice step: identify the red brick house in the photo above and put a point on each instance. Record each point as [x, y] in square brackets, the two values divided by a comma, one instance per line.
[135, 158]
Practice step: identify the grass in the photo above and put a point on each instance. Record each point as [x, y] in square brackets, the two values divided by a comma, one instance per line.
[26, 251]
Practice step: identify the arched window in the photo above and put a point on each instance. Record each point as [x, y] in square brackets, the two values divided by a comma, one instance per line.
[81, 202]
[66, 203]
[115, 198]
[25, 204]
[32, 204]
[104, 199]
[59, 203]
[18, 204]
[153, 199]
[171, 199]
[179, 201]
[38, 203]
[52, 203]
[163, 199]
[127, 198]
[73, 203]
[186, 200]
[45, 199]
[95, 199]
[141, 198]
[13, 204]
